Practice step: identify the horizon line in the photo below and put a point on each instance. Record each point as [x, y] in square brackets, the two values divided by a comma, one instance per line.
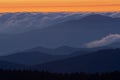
[61, 12]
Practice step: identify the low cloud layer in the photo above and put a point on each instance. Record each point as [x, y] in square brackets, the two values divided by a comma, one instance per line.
[24, 22]
[104, 41]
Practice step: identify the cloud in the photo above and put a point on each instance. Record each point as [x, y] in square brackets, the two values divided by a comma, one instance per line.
[24, 22]
[104, 41]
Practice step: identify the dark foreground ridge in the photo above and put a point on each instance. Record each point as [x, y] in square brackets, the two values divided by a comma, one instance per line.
[44, 75]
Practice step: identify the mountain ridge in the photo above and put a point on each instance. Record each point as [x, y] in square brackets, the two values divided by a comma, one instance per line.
[99, 61]
[72, 33]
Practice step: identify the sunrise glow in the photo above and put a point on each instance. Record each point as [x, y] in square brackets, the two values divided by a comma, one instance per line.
[59, 5]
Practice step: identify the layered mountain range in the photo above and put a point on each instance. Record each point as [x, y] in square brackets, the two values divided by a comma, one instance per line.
[60, 42]
[20, 31]
[106, 60]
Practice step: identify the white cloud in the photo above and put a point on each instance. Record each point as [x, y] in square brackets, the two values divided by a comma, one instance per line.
[104, 41]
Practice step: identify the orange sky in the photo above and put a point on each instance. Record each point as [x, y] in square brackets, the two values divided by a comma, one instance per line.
[59, 5]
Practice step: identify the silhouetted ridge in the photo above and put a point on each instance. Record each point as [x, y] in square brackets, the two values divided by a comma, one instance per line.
[99, 61]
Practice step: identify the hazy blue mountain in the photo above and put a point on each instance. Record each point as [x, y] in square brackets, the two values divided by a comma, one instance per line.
[109, 46]
[31, 58]
[100, 61]
[63, 50]
[41, 55]
[76, 32]
[73, 33]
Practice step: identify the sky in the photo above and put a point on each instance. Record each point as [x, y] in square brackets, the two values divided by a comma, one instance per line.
[59, 5]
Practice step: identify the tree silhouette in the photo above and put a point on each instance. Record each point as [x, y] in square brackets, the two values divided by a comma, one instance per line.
[45, 75]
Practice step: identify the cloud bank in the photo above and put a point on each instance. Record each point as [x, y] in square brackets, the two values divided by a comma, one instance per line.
[104, 41]
[23, 22]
